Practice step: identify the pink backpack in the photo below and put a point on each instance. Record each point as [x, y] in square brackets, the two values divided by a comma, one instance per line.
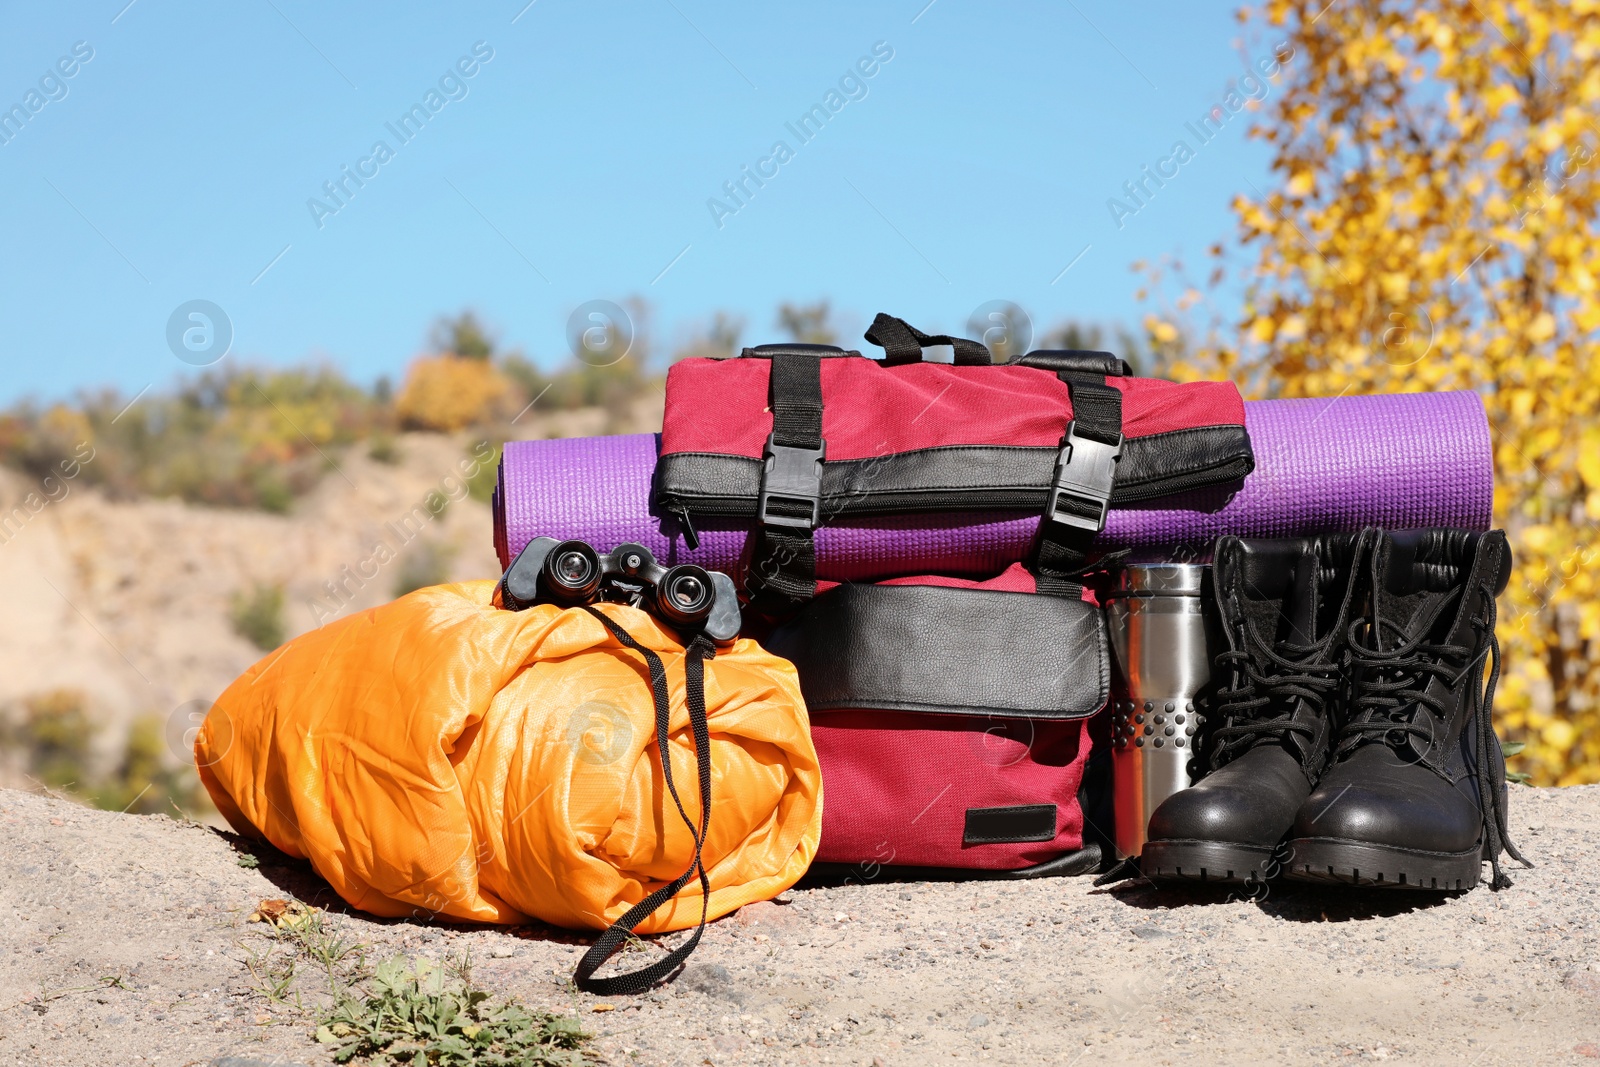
[791, 438]
[951, 720]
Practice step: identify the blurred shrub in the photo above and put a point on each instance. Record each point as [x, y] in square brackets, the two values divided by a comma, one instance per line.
[480, 486]
[257, 616]
[463, 336]
[808, 323]
[53, 735]
[243, 437]
[717, 339]
[37, 442]
[449, 393]
[384, 448]
[146, 779]
[426, 563]
[580, 385]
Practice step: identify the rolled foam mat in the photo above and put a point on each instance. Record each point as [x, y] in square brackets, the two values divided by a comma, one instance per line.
[1399, 460]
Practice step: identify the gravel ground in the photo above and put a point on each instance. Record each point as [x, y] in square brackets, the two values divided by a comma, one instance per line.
[124, 941]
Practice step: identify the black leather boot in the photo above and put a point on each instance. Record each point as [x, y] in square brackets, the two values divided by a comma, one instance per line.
[1283, 605]
[1416, 796]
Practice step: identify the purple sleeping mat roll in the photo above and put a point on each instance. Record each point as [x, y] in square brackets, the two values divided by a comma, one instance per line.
[1401, 460]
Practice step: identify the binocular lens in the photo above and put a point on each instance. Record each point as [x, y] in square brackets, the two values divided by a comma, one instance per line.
[687, 592]
[572, 571]
[685, 595]
[573, 568]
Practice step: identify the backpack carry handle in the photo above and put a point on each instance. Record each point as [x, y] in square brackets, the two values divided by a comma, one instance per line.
[904, 343]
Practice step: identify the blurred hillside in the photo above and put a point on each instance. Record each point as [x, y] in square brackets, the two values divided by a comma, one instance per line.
[150, 552]
[152, 548]
[124, 616]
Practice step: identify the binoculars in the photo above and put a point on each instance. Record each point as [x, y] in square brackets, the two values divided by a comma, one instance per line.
[570, 573]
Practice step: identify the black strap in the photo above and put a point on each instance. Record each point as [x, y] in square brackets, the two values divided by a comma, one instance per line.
[904, 343]
[783, 565]
[1075, 513]
[700, 649]
[1096, 409]
[795, 395]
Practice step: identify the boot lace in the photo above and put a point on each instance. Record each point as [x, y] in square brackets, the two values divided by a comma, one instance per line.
[1394, 688]
[1262, 677]
[1396, 681]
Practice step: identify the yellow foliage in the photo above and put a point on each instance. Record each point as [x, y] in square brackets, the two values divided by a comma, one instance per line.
[449, 393]
[1439, 232]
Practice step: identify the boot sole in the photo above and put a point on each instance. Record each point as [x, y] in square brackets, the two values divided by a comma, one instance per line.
[1331, 860]
[1218, 862]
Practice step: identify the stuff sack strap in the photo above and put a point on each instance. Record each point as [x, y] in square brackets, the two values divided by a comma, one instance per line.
[1086, 468]
[789, 509]
[904, 343]
[700, 649]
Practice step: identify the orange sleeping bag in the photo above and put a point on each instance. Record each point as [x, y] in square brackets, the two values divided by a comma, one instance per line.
[438, 756]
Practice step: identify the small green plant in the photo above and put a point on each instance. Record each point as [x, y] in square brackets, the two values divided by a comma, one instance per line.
[302, 934]
[248, 862]
[423, 1015]
[1514, 748]
[274, 975]
[258, 616]
[341, 959]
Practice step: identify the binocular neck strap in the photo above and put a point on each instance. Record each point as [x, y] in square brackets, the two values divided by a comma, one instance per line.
[699, 650]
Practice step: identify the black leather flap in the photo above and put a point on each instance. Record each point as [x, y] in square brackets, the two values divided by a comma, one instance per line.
[1077, 361]
[948, 651]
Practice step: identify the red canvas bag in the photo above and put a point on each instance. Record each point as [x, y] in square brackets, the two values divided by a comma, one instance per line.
[790, 437]
[951, 721]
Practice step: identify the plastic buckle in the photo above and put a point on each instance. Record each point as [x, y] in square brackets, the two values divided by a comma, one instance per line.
[791, 477]
[1086, 470]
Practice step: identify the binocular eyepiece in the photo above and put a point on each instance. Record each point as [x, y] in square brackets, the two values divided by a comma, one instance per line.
[570, 573]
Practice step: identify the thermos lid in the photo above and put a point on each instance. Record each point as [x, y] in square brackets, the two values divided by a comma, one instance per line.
[1159, 579]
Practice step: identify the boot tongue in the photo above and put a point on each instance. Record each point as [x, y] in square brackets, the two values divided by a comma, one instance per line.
[1280, 579]
[1420, 568]
[1304, 602]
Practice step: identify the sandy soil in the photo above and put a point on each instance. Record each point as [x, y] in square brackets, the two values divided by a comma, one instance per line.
[125, 938]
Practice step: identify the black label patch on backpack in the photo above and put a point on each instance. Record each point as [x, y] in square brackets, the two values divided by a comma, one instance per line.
[1003, 826]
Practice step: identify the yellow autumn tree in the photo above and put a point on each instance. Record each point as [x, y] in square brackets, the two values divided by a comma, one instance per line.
[449, 393]
[1431, 226]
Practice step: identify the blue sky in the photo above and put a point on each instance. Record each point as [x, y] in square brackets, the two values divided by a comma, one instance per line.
[577, 162]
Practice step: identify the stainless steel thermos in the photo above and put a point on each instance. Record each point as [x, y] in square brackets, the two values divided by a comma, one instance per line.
[1158, 615]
